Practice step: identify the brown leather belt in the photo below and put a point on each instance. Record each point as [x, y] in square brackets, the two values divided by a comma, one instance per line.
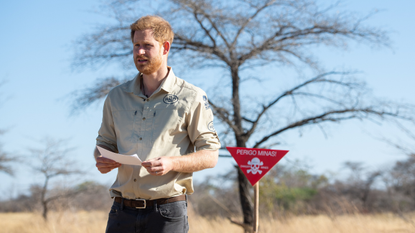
[143, 203]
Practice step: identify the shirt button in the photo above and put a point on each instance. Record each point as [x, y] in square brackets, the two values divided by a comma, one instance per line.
[135, 180]
[144, 118]
[141, 139]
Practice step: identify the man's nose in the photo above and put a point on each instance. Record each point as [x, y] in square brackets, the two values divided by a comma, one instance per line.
[139, 51]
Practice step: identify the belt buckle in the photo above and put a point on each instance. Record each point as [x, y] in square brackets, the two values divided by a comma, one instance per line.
[144, 202]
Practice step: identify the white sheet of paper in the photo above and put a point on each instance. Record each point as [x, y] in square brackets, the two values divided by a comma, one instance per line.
[123, 159]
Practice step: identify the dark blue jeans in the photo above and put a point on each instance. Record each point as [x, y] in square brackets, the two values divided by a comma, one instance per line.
[170, 217]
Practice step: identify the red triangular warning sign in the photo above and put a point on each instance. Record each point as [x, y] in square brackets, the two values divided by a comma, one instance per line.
[255, 163]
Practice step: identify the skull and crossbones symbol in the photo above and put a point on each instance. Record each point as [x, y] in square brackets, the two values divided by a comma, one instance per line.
[255, 163]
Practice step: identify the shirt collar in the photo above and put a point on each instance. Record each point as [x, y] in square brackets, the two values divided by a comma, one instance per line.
[168, 83]
[134, 86]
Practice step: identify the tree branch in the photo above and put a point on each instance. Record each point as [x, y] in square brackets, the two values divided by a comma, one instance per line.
[291, 92]
[223, 114]
[242, 28]
[331, 116]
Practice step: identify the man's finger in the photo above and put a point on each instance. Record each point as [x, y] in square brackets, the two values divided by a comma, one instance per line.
[104, 170]
[105, 160]
[106, 165]
[109, 162]
[151, 163]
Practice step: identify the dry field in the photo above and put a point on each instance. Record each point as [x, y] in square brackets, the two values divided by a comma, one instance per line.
[93, 222]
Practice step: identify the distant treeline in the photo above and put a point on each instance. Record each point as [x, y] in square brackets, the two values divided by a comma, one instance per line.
[285, 190]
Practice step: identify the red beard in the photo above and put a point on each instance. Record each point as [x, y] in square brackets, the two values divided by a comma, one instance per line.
[150, 66]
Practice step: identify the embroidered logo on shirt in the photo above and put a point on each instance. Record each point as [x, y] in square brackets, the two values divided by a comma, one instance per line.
[170, 99]
[207, 105]
[210, 127]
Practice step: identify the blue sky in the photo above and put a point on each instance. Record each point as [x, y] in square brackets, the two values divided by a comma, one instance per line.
[35, 64]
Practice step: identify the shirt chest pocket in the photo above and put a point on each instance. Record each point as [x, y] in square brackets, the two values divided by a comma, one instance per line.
[125, 125]
[167, 118]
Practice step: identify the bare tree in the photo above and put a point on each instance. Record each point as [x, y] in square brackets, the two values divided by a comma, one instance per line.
[242, 38]
[5, 158]
[401, 184]
[52, 161]
[400, 179]
[360, 183]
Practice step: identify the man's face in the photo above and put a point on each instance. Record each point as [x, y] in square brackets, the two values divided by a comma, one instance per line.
[147, 52]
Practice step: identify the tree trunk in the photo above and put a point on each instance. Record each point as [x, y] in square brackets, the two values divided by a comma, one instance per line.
[45, 210]
[243, 183]
[43, 199]
[244, 196]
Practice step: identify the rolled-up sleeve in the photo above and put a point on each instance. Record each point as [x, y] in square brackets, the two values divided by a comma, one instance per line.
[106, 134]
[200, 124]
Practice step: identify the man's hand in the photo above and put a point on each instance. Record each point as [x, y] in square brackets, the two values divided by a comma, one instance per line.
[158, 166]
[193, 162]
[105, 165]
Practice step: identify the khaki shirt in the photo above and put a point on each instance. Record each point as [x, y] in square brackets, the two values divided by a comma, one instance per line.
[174, 121]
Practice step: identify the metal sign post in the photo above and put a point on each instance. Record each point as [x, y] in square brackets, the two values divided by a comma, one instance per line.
[256, 207]
[255, 163]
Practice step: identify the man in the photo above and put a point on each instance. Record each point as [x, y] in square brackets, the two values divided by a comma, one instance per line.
[168, 123]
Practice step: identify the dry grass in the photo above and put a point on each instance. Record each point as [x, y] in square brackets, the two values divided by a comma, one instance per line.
[381, 223]
[95, 222]
[61, 222]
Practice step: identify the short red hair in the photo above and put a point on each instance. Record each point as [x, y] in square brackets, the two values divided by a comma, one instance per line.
[162, 30]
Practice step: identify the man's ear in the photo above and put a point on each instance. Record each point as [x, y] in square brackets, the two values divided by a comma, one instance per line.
[166, 47]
